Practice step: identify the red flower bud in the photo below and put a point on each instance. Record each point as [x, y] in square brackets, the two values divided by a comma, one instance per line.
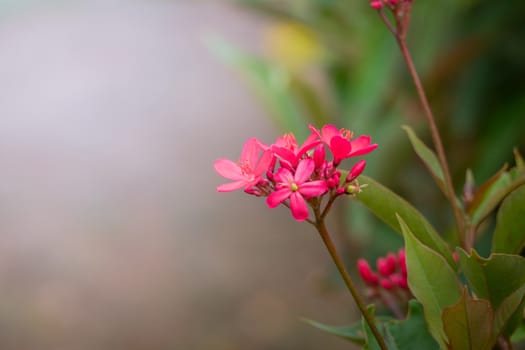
[356, 170]
[368, 276]
[386, 283]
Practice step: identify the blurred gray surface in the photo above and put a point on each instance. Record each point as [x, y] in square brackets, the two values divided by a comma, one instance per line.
[112, 235]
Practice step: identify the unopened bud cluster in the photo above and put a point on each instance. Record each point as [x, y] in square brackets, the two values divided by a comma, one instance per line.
[391, 4]
[388, 283]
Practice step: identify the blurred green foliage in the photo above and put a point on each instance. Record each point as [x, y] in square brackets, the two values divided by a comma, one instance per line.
[470, 54]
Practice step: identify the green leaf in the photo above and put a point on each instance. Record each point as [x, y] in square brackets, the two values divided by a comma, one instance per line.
[469, 324]
[519, 334]
[428, 157]
[432, 281]
[486, 196]
[409, 334]
[371, 341]
[509, 235]
[353, 333]
[493, 191]
[385, 204]
[412, 333]
[499, 279]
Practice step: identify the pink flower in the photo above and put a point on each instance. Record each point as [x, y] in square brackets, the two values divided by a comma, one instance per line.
[287, 149]
[248, 171]
[339, 142]
[297, 188]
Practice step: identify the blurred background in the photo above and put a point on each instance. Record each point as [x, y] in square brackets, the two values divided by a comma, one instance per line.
[112, 113]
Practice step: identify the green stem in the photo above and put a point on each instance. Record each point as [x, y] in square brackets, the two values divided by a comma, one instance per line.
[321, 227]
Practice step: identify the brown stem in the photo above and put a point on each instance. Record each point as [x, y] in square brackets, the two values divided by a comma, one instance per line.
[458, 214]
[321, 227]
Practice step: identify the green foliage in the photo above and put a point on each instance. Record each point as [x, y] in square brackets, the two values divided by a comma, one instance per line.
[385, 204]
[509, 236]
[471, 58]
[499, 279]
[432, 281]
[469, 324]
[492, 192]
[409, 334]
[353, 333]
[428, 157]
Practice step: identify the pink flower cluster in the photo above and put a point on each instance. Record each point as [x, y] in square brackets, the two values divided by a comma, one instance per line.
[297, 176]
[391, 272]
[392, 4]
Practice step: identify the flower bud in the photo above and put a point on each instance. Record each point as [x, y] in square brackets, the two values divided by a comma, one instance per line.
[366, 272]
[352, 189]
[402, 261]
[356, 170]
[386, 283]
[376, 4]
[399, 281]
[319, 156]
[385, 266]
[253, 191]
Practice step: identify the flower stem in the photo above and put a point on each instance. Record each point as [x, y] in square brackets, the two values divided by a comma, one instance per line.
[321, 227]
[458, 213]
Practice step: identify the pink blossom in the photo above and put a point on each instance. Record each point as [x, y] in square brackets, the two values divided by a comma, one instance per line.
[248, 171]
[287, 149]
[340, 143]
[297, 187]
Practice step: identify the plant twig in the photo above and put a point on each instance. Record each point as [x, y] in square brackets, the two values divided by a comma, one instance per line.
[458, 213]
[321, 227]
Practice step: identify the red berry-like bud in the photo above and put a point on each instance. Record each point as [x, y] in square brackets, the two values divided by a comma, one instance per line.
[386, 266]
[366, 272]
[392, 261]
[356, 170]
[376, 4]
[402, 261]
[398, 280]
[386, 283]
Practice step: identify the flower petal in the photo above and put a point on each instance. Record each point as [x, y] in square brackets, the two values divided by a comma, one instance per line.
[232, 186]
[360, 142]
[285, 154]
[228, 169]
[308, 144]
[250, 152]
[328, 132]
[363, 151]
[299, 207]
[313, 188]
[264, 163]
[277, 197]
[304, 170]
[284, 176]
[340, 147]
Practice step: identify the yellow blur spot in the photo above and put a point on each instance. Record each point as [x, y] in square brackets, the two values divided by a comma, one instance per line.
[293, 45]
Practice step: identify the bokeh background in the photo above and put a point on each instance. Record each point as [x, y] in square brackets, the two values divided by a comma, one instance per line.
[113, 111]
